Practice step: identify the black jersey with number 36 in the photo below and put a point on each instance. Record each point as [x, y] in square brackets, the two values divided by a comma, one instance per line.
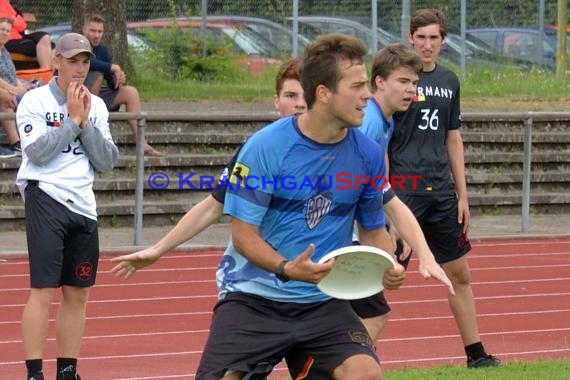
[417, 147]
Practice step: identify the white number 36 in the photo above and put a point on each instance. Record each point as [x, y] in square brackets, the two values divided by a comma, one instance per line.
[429, 119]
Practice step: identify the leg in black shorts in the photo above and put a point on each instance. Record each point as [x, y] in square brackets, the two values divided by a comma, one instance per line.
[250, 334]
[25, 45]
[63, 246]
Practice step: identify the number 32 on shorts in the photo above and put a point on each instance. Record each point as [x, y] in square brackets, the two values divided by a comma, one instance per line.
[429, 119]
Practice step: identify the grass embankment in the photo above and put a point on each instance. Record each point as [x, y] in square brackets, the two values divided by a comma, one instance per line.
[493, 89]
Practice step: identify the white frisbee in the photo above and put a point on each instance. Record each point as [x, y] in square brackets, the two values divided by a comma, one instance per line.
[357, 273]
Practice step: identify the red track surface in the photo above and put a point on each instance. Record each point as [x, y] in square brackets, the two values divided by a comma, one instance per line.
[154, 326]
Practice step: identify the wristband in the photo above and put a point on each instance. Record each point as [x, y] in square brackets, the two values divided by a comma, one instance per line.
[280, 271]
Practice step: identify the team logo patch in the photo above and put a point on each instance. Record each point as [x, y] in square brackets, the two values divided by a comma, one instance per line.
[419, 98]
[316, 209]
[464, 241]
[56, 124]
[224, 175]
[239, 172]
[84, 271]
[28, 128]
[360, 337]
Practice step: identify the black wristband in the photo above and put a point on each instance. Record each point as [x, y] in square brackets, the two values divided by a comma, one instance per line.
[280, 271]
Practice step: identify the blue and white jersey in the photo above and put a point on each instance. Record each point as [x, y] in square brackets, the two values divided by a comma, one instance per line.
[376, 126]
[299, 192]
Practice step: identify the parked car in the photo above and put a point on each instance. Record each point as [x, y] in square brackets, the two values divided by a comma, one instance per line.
[254, 50]
[477, 52]
[552, 31]
[56, 31]
[274, 32]
[312, 26]
[522, 44]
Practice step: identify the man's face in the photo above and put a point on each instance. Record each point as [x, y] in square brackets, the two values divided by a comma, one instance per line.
[427, 43]
[397, 91]
[290, 100]
[5, 29]
[74, 69]
[347, 103]
[94, 32]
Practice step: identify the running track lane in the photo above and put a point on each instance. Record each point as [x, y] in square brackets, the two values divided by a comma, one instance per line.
[154, 326]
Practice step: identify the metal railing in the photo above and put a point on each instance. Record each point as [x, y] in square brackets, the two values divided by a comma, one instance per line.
[526, 118]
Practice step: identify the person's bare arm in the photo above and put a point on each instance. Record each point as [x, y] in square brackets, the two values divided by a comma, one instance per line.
[454, 145]
[407, 225]
[196, 220]
[379, 238]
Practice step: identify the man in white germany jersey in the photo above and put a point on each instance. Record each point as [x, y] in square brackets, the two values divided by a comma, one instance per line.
[65, 137]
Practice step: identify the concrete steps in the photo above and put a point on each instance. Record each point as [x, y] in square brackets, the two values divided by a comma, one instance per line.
[203, 144]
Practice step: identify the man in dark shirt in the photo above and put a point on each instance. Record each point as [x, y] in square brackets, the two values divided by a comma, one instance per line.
[427, 143]
[107, 80]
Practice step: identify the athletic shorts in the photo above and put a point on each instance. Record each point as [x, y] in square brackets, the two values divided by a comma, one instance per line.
[106, 93]
[372, 306]
[437, 216]
[25, 45]
[251, 334]
[63, 246]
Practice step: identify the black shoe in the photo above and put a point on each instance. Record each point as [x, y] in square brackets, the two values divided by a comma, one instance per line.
[16, 148]
[7, 152]
[484, 361]
[37, 376]
[68, 374]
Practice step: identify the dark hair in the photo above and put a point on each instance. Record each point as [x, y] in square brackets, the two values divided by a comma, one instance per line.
[93, 17]
[391, 58]
[288, 70]
[425, 17]
[321, 62]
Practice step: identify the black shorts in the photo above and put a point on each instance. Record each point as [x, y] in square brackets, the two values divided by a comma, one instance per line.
[370, 307]
[251, 334]
[437, 216]
[25, 45]
[63, 246]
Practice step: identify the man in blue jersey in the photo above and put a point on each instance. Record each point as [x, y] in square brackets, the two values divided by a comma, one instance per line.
[393, 79]
[427, 143]
[269, 305]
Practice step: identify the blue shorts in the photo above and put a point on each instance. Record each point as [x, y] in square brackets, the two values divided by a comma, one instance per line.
[63, 246]
[251, 334]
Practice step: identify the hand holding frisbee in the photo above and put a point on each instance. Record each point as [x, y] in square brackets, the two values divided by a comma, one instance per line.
[358, 272]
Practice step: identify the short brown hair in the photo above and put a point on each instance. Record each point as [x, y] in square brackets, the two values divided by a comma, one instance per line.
[391, 58]
[93, 17]
[425, 17]
[321, 62]
[288, 70]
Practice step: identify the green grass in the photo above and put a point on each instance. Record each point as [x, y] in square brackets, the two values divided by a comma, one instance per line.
[478, 83]
[241, 90]
[532, 370]
[535, 370]
[513, 83]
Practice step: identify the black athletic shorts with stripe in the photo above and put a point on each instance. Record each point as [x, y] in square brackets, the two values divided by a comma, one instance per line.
[251, 334]
[63, 246]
